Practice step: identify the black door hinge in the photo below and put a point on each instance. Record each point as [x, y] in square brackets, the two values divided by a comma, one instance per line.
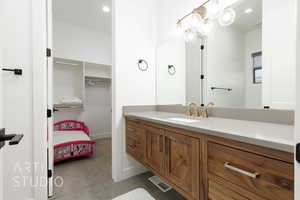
[202, 76]
[49, 52]
[49, 113]
[298, 152]
[202, 47]
[50, 174]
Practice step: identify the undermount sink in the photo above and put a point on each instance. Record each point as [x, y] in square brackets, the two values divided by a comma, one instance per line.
[181, 119]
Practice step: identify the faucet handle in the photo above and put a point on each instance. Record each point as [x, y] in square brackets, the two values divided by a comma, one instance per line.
[187, 110]
[210, 104]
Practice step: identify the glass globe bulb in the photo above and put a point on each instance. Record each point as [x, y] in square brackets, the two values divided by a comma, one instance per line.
[227, 17]
[213, 11]
[189, 35]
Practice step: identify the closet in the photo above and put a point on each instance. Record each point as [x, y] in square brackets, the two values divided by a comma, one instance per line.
[82, 91]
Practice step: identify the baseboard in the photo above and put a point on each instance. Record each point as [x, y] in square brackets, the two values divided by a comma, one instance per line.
[96, 136]
[133, 171]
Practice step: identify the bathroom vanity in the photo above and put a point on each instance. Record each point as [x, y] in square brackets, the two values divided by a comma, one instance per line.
[214, 158]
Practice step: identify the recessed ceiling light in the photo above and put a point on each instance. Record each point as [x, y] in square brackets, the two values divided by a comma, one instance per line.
[248, 10]
[106, 9]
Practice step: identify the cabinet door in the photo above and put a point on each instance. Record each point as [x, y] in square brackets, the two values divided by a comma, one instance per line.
[155, 149]
[182, 162]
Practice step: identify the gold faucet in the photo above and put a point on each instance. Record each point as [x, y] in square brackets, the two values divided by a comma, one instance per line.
[203, 112]
[192, 110]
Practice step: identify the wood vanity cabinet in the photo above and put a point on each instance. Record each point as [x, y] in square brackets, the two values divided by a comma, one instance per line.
[175, 158]
[202, 167]
[155, 149]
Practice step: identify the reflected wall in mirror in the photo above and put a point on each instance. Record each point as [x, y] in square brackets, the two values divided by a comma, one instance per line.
[231, 63]
[234, 59]
[250, 63]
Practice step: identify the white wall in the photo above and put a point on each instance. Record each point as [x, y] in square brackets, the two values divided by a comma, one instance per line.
[96, 113]
[16, 43]
[279, 49]
[168, 13]
[193, 71]
[81, 43]
[171, 89]
[225, 66]
[253, 92]
[134, 38]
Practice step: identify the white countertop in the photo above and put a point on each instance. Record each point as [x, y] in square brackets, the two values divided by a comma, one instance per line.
[275, 136]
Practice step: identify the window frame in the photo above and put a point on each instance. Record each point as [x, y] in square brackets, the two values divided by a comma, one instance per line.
[254, 69]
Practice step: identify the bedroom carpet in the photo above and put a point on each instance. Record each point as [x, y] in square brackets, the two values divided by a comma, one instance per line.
[90, 179]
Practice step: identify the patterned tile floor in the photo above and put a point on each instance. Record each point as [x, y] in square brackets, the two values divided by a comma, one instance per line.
[90, 179]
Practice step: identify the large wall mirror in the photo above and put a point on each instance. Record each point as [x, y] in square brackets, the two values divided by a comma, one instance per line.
[223, 66]
[233, 64]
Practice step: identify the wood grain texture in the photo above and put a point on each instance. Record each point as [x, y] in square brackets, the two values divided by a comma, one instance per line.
[220, 192]
[275, 180]
[193, 163]
[136, 141]
[182, 162]
[271, 153]
[229, 190]
[155, 154]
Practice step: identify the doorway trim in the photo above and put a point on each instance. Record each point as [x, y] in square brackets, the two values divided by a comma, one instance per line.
[39, 63]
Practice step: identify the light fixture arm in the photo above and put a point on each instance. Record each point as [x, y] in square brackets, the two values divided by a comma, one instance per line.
[196, 10]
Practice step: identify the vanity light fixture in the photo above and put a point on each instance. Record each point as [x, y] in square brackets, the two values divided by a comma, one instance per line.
[248, 11]
[200, 19]
[106, 9]
[227, 17]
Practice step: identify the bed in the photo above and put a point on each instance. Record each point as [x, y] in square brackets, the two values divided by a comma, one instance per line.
[71, 139]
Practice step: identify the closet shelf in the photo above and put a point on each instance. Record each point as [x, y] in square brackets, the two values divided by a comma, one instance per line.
[68, 107]
[97, 78]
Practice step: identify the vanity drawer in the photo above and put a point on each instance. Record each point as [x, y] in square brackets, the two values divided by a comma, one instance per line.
[135, 148]
[132, 128]
[266, 177]
[135, 140]
[222, 192]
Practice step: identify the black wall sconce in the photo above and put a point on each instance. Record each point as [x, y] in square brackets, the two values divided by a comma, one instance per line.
[171, 70]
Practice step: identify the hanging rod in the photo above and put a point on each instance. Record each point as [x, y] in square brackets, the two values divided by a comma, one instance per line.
[219, 88]
[66, 63]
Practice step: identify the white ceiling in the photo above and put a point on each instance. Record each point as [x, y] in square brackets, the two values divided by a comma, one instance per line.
[86, 13]
[248, 22]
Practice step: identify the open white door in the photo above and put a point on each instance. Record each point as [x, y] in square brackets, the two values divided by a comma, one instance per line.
[1, 126]
[297, 120]
[50, 98]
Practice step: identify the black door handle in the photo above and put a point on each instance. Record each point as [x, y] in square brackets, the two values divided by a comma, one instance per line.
[13, 139]
[298, 152]
[18, 72]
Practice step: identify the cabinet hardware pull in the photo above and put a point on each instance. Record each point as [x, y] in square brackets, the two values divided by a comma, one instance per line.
[252, 175]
